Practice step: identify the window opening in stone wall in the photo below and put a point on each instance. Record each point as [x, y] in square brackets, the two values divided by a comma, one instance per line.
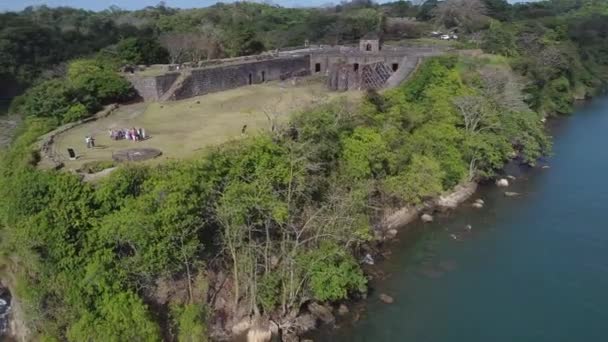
[318, 67]
[395, 66]
[356, 67]
[263, 76]
[250, 79]
[368, 47]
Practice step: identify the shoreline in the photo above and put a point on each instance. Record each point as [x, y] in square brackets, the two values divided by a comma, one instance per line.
[407, 234]
[401, 218]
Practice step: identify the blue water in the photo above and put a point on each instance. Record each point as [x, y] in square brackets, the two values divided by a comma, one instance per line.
[533, 268]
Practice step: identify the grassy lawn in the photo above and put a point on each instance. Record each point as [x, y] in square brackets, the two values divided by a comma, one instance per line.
[181, 128]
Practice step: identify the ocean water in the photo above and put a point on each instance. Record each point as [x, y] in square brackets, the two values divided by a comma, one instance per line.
[532, 268]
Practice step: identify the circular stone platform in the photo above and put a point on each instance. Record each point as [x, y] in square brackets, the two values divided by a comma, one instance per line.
[135, 154]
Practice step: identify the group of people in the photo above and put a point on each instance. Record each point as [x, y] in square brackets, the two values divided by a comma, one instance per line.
[135, 134]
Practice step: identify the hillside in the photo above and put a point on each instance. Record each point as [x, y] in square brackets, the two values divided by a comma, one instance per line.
[267, 231]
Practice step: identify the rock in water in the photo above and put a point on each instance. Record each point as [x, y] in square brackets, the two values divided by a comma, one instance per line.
[321, 312]
[391, 234]
[511, 194]
[304, 323]
[426, 218]
[477, 205]
[502, 183]
[386, 298]
[343, 309]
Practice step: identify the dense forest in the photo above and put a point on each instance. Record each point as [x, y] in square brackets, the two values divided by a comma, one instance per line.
[263, 226]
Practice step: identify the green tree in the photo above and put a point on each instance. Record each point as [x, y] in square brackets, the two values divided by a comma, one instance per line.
[119, 317]
[52, 98]
[422, 179]
[499, 40]
[365, 154]
[141, 51]
[190, 322]
[97, 83]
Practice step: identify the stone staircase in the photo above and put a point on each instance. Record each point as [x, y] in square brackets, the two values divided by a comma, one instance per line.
[177, 84]
[408, 65]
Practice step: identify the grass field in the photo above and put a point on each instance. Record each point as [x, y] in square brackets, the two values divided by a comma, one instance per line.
[181, 128]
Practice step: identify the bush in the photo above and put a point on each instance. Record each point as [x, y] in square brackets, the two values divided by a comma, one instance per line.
[76, 112]
[333, 271]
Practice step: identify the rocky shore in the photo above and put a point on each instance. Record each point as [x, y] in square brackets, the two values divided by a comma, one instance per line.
[313, 315]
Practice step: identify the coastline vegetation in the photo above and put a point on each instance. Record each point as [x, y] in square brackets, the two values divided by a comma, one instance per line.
[283, 216]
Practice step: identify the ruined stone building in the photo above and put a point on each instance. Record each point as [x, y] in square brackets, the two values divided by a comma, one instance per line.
[368, 66]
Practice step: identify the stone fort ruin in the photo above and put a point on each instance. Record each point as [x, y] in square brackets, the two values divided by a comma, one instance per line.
[368, 66]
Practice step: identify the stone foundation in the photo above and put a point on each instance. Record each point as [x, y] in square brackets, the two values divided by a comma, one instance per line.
[199, 81]
[368, 66]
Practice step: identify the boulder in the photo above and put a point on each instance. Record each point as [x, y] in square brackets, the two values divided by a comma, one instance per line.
[368, 259]
[477, 205]
[546, 167]
[242, 326]
[304, 323]
[511, 177]
[259, 334]
[399, 218]
[386, 298]
[460, 194]
[391, 234]
[426, 218]
[511, 194]
[502, 183]
[480, 201]
[343, 309]
[290, 337]
[321, 312]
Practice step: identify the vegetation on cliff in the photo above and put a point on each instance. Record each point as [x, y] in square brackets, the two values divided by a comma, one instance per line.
[274, 221]
[284, 212]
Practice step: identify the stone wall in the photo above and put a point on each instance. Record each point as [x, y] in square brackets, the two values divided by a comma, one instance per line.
[343, 77]
[224, 77]
[151, 88]
[220, 75]
[321, 60]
